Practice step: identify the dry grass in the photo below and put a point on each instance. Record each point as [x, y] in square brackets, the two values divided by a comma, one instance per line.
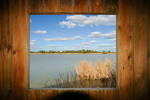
[87, 75]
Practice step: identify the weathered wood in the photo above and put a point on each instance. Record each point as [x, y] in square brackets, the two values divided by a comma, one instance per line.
[35, 95]
[96, 6]
[110, 94]
[35, 6]
[50, 95]
[95, 94]
[5, 51]
[50, 6]
[111, 6]
[81, 6]
[66, 6]
[140, 50]
[125, 29]
[19, 82]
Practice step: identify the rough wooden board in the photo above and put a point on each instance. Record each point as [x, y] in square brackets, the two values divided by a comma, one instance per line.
[81, 6]
[73, 95]
[35, 95]
[66, 6]
[96, 6]
[110, 94]
[1, 40]
[50, 6]
[95, 94]
[125, 29]
[19, 82]
[50, 95]
[140, 50]
[5, 51]
[111, 6]
[148, 16]
[35, 6]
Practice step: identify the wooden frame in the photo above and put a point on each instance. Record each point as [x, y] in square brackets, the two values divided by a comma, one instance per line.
[134, 49]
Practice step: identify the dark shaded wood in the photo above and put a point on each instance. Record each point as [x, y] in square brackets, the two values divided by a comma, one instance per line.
[148, 18]
[50, 6]
[125, 29]
[140, 50]
[66, 6]
[149, 75]
[81, 6]
[19, 82]
[5, 51]
[50, 95]
[95, 94]
[111, 6]
[35, 95]
[96, 6]
[110, 94]
[35, 6]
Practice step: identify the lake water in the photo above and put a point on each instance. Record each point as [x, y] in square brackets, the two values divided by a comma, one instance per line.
[48, 66]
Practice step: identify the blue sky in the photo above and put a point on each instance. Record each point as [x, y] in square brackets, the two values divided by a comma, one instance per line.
[72, 32]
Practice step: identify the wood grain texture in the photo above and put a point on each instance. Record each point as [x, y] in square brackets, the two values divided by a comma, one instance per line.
[19, 82]
[81, 6]
[1, 52]
[35, 95]
[5, 51]
[125, 29]
[111, 6]
[66, 6]
[148, 17]
[50, 95]
[110, 94]
[140, 50]
[50, 6]
[35, 6]
[95, 94]
[96, 6]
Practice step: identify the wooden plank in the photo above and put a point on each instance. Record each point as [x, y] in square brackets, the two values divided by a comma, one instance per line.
[35, 6]
[140, 50]
[149, 75]
[1, 51]
[73, 95]
[35, 95]
[5, 51]
[49, 94]
[50, 6]
[111, 6]
[95, 94]
[81, 6]
[110, 94]
[19, 82]
[125, 29]
[66, 6]
[96, 6]
[148, 13]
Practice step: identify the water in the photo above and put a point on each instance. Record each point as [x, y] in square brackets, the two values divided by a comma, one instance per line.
[48, 66]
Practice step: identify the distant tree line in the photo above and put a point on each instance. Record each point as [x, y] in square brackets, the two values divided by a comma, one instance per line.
[72, 51]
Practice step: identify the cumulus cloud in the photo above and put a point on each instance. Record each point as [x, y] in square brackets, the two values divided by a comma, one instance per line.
[100, 35]
[82, 20]
[40, 32]
[30, 21]
[112, 40]
[64, 39]
[54, 46]
[68, 24]
[33, 45]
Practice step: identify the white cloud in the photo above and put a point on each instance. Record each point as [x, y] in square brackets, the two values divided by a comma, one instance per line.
[40, 32]
[30, 21]
[93, 41]
[33, 45]
[107, 47]
[68, 24]
[111, 40]
[82, 20]
[100, 35]
[54, 46]
[64, 39]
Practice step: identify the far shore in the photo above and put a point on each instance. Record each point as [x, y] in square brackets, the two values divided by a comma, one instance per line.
[73, 53]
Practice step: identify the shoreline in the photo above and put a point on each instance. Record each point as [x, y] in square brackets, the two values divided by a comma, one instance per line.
[69, 53]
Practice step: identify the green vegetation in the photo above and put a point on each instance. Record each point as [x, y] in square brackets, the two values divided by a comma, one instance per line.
[73, 51]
